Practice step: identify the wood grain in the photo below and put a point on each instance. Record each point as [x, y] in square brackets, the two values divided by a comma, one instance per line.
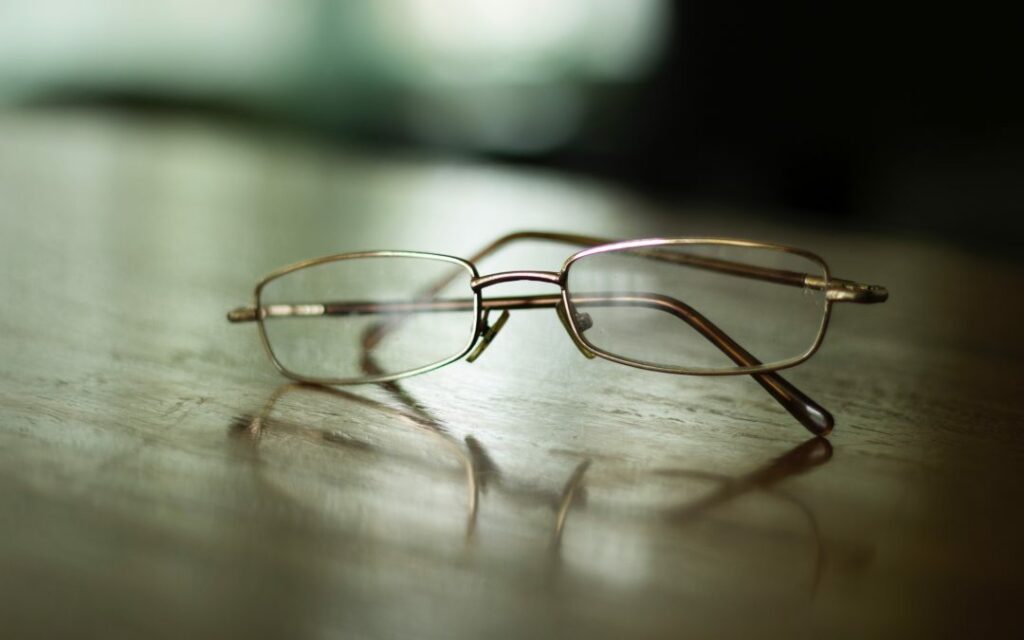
[159, 479]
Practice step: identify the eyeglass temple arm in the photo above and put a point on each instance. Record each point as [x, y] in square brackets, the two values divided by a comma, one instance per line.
[807, 412]
[836, 289]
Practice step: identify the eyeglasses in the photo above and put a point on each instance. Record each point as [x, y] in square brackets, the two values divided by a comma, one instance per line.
[693, 306]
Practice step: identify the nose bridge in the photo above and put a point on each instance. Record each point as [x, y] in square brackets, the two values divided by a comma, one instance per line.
[482, 282]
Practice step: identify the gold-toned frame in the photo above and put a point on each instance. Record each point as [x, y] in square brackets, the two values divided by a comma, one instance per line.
[260, 315]
[628, 245]
[810, 414]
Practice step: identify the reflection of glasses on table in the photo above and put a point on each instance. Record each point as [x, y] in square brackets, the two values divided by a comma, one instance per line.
[604, 496]
[694, 306]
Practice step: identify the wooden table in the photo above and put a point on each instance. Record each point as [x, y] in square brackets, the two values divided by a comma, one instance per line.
[159, 479]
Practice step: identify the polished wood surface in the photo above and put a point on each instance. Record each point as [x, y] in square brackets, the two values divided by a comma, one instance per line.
[159, 479]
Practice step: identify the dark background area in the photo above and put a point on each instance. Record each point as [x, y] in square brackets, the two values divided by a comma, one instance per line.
[891, 118]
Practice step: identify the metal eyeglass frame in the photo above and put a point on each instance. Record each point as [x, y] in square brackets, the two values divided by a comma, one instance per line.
[810, 414]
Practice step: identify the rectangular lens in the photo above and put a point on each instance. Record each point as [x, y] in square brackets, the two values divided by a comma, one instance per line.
[705, 307]
[354, 318]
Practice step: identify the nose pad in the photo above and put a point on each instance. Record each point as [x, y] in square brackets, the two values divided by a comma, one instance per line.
[489, 333]
[583, 322]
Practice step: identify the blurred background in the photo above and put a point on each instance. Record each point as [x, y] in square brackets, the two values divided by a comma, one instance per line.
[835, 114]
[158, 156]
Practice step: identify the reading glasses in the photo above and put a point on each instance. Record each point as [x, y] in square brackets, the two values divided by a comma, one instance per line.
[690, 306]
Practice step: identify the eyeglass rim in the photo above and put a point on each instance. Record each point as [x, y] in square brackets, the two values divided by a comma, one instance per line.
[577, 333]
[313, 262]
